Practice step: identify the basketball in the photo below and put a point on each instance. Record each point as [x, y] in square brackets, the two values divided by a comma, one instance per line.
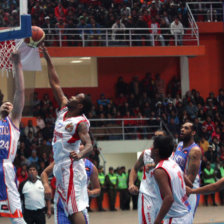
[37, 37]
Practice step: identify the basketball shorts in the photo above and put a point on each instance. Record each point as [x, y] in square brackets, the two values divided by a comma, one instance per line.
[71, 185]
[186, 219]
[146, 209]
[193, 201]
[10, 203]
[59, 214]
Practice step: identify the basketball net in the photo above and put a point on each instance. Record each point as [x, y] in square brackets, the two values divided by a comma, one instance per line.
[6, 50]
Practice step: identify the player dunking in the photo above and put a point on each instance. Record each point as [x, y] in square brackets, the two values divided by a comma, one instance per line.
[188, 157]
[10, 204]
[71, 128]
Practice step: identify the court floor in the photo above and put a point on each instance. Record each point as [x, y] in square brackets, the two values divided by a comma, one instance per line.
[204, 215]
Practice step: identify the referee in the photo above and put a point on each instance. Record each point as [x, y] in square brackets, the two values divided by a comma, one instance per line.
[32, 195]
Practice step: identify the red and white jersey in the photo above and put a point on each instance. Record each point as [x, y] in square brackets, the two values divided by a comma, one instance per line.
[9, 136]
[147, 184]
[66, 138]
[180, 206]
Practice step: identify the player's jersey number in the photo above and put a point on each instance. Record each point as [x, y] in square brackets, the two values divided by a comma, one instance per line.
[4, 144]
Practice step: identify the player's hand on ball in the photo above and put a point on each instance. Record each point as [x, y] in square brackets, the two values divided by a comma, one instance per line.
[48, 192]
[15, 57]
[133, 189]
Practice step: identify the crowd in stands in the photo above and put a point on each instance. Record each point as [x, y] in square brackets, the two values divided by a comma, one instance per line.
[115, 14]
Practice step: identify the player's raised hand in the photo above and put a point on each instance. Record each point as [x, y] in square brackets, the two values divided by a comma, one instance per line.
[43, 49]
[133, 189]
[15, 57]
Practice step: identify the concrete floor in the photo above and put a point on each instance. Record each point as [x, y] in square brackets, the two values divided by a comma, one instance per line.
[204, 215]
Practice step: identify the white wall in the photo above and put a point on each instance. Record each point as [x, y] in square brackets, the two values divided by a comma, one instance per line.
[122, 153]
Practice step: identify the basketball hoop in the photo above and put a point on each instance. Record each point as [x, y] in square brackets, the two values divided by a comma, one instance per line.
[6, 50]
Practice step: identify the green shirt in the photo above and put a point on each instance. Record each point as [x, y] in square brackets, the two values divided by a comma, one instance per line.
[122, 181]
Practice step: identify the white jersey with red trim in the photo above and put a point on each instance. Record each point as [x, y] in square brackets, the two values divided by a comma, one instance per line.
[180, 206]
[147, 183]
[66, 138]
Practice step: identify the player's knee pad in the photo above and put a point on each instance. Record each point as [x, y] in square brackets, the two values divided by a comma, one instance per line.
[17, 221]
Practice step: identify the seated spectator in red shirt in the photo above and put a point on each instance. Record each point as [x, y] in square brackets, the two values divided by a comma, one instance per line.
[120, 100]
[60, 12]
[37, 10]
[22, 173]
[209, 125]
[216, 133]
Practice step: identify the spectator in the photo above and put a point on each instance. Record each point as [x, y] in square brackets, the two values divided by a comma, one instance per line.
[191, 110]
[60, 12]
[111, 182]
[30, 128]
[102, 100]
[142, 34]
[33, 158]
[101, 177]
[177, 30]
[49, 41]
[160, 85]
[209, 178]
[40, 122]
[118, 30]
[155, 32]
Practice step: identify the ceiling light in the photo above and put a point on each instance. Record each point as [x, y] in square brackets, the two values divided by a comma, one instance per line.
[76, 61]
[85, 58]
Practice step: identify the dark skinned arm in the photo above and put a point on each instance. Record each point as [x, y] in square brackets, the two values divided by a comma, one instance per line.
[210, 188]
[54, 80]
[162, 180]
[44, 178]
[95, 184]
[133, 175]
[194, 163]
[19, 95]
[83, 132]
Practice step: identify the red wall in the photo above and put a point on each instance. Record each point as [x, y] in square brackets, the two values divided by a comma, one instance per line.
[109, 69]
[207, 72]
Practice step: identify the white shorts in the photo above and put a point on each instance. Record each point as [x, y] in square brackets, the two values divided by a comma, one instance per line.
[71, 184]
[146, 210]
[10, 203]
[60, 216]
[186, 219]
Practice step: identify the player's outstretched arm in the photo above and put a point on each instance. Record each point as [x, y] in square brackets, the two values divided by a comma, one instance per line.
[19, 95]
[53, 79]
[210, 188]
[133, 175]
[194, 163]
[162, 180]
[44, 177]
[95, 191]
